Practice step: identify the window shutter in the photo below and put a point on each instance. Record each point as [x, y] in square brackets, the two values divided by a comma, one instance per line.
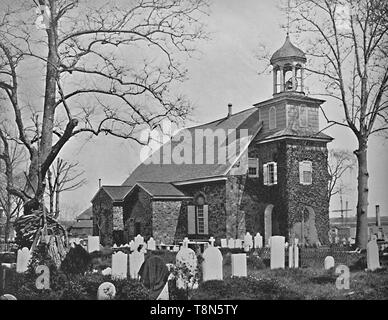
[275, 173]
[206, 219]
[191, 219]
[301, 168]
[265, 174]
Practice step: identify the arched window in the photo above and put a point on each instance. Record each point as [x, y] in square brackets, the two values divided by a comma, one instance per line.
[272, 118]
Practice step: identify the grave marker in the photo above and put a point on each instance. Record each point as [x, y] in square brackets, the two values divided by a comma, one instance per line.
[343, 281]
[93, 243]
[212, 264]
[43, 279]
[277, 252]
[238, 244]
[106, 291]
[248, 242]
[23, 259]
[258, 241]
[329, 262]
[372, 255]
[119, 265]
[151, 245]
[239, 265]
[136, 259]
[231, 243]
[224, 243]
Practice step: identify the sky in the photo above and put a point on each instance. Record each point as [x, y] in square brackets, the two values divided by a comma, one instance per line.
[225, 71]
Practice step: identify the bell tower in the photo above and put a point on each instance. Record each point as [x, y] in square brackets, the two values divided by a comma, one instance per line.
[288, 69]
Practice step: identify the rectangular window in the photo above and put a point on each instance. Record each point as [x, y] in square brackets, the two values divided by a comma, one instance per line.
[272, 118]
[270, 173]
[305, 172]
[253, 167]
[200, 220]
[303, 114]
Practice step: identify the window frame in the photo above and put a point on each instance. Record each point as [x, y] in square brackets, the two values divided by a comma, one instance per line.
[270, 177]
[306, 116]
[302, 166]
[256, 175]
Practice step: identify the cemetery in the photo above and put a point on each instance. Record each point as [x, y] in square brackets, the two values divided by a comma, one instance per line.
[243, 269]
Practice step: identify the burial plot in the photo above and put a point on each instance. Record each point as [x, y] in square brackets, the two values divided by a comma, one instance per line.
[239, 265]
[212, 264]
[119, 265]
[277, 252]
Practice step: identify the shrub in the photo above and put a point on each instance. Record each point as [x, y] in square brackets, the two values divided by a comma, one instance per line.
[130, 289]
[77, 261]
[255, 263]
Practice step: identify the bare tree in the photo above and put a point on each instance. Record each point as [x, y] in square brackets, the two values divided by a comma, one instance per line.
[109, 68]
[61, 177]
[347, 42]
[340, 162]
[10, 157]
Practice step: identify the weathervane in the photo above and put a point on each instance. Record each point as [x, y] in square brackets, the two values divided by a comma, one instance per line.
[288, 17]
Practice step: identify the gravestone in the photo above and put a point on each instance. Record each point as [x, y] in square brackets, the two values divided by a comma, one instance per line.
[151, 245]
[239, 265]
[258, 241]
[211, 241]
[372, 255]
[238, 244]
[139, 240]
[277, 252]
[212, 264]
[329, 262]
[106, 291]
[248, 242]
[132, 245]
[22, 260]
[136, 259]
[186, 257]
[293, 255]
[114, 246]
[231, 243]
[224, 243]
[93, 243]
[175, 248]
[119, 265]
[8, 296]
[107, 271]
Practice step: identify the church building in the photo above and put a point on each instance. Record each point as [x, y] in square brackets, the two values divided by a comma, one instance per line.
[276, 184]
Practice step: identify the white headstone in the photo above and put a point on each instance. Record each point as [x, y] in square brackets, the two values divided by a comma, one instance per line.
[175, 248]
[119, 265]
[296, 255]
[8, 296]
[132, 245]
[185, 242]
[277, 252]
[212, 264]
[329, 262]
[187, 257]
[248, 242]
[290, 256]
[211, 241]
[93, 243]
[224, 243]
[231, 243]
[258, 241]
[238, 244]
[136, 259]
[239, 265]
[114, 246]
[151, 244]
[372, 255]
[22, 260]
[139, 240]
[107, 271]
[106, 291]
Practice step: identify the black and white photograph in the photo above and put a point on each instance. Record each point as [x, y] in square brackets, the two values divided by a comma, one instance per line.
[189, 155]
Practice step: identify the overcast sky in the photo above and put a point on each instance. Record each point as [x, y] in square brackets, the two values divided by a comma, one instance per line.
[227, 70]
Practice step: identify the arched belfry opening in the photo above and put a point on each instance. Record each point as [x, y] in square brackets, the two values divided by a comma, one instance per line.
[288, 69]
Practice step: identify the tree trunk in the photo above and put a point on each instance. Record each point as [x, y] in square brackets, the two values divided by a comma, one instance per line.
[56, 213]
[7, 227]
[362, 193]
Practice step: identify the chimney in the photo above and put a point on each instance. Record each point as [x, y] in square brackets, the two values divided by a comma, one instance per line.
[378, 220]
[230, 112]
[99, 183]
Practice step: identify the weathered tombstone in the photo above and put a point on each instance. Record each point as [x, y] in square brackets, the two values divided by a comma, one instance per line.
[114, 246]
[212, 264]
[224, 243]
[106, 291]
[175, 248]
[132, 245]
[119, 265]
[239, 265]
[43, 279]
[343, 280]
[277, 252]
[211, 241]
[258, 241]
[139, 240]
[107, 271]
[186, 257]
[151, 244]
[22, 260]
[293, 255]
[248, 242]
[93, 243]
[329, 262]
[231, 243]
[372, 255]
[290, 257]
[238, 244]
[136, 259]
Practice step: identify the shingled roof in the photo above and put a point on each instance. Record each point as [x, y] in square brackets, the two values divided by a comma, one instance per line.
[172, 172]
[159, 190]
[116, 193]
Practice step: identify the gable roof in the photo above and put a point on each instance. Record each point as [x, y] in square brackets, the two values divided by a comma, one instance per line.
[116, 193]
[172, 172]
[86, 214]
[159, 190]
